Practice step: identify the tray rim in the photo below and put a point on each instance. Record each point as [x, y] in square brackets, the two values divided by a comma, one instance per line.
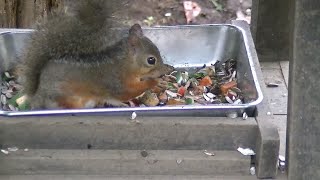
[228, 107]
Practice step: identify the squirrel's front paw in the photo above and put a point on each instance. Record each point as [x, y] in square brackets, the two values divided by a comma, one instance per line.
[161, 86]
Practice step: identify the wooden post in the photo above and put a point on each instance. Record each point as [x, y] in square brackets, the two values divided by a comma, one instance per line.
[303, 132]
[24, 13]
[270, 29]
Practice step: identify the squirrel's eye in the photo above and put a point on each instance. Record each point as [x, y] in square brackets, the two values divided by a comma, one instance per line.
[151, 60]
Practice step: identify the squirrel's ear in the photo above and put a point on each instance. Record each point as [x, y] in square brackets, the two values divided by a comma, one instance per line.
[135, 33]
[136, 30]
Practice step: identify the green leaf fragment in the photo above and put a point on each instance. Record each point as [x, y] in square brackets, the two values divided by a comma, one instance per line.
[189, 101]
[199, 75]
[23, 106]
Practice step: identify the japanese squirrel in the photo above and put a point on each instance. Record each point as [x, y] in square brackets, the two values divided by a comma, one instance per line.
[72, 62]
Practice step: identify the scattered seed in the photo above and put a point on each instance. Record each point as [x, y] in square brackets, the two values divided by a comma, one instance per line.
[208, 153]
[210, 95]
[3, 99]
[206, 97]
[4, 89]
[238, 101]
[270, 84]
[246, 151]
[282, 158]
[252, 170]
[133, 115]
[229, 100]
[13, 149]
[7, 74]
[167, 14]
[8, 95]
[11, 107]
[244, 116]
[4, 151]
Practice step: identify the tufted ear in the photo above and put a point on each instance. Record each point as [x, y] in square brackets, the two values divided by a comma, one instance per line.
[136, 30]
[135, 33]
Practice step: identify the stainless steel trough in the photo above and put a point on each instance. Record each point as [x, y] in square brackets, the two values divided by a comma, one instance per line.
[185, 47]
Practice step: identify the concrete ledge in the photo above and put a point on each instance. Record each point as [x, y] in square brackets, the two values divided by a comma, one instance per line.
[98, 132]
[124, 162]
[123, 177]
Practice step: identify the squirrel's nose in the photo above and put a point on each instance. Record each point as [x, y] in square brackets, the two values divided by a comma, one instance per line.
[168, 68]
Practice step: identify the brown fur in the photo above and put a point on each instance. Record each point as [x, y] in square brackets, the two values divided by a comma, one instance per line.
[73, 59]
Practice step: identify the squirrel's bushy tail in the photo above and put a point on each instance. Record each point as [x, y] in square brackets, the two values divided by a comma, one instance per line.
[84, 28]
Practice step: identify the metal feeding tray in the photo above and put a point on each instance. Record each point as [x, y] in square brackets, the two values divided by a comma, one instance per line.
[184, 47]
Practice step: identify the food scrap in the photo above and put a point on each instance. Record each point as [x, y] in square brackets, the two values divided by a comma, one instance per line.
[12, 98]
[214, 84]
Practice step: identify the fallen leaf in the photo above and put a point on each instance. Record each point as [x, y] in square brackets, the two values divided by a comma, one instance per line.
[192, 10]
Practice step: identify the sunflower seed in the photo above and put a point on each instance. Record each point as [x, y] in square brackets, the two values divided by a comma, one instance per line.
[11, 107]
[3, 99]
[282, 158]
[238, 101]
[4, 151]
[133, 115]
[211, 96]
[8, 95]
[246, 151]
[13, 149]
[244, 116]
[4, 89]
[206, 97]
[228, 100]
[208, 153]
[7, 74]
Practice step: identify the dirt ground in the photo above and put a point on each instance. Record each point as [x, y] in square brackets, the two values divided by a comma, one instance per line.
[171, 12]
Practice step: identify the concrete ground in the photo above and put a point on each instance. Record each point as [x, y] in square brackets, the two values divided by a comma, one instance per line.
[278, 72]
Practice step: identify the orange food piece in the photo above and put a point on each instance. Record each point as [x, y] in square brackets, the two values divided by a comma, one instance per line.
[182, 91]
[206, 81]
[175, 102]
[225, 87]
[163, 97]
[198, 90]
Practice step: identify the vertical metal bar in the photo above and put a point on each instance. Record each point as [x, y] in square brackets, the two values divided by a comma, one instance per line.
[303, 129]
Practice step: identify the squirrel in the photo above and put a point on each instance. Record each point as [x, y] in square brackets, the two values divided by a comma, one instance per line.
[70, 61]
